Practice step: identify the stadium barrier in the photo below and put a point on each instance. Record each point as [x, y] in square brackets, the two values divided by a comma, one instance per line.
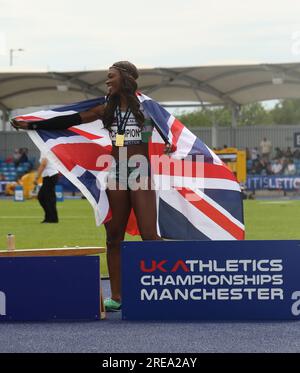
[281, 182]
[59, 192]
[51, 284]
[211, 280]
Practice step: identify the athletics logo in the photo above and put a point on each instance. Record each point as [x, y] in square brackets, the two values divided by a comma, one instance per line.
[2, 304]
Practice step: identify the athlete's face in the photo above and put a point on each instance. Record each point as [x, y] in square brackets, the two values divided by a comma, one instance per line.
[113, 81]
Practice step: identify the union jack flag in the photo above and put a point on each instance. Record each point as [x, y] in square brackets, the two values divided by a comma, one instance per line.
[185, 211]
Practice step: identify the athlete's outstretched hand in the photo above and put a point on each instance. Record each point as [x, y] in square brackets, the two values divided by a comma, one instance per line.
[19, 124]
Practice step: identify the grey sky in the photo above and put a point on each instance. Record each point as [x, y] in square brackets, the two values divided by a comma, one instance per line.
[72, 34]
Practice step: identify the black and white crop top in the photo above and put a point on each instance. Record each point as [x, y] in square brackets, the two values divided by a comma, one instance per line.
[134, 133]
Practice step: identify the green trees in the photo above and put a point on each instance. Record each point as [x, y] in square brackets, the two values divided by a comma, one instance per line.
[207, 117]
[254, 114]
[284, 112]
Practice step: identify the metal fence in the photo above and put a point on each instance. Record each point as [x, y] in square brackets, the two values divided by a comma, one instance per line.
[251, 136]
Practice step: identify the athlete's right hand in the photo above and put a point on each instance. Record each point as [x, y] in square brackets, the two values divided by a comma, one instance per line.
[19, 124]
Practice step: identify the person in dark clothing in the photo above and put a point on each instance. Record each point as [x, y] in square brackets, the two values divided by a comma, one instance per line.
[46, 195]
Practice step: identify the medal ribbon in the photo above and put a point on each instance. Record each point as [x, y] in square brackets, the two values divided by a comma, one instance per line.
[121, 122]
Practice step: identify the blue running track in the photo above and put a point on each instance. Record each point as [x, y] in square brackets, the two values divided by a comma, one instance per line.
[114, 335]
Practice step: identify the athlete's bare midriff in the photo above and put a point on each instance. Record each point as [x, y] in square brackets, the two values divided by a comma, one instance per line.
[134, 149]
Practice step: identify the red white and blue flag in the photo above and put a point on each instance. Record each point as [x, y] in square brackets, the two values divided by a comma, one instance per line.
[193, 206]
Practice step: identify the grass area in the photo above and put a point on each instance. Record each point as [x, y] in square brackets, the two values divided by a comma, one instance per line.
[76, 227]
[264, 220]
[272, 219]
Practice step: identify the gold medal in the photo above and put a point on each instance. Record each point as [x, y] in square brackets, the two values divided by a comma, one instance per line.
[120, 139]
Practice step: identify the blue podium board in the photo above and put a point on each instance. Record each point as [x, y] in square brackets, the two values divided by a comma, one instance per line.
[49, 288]
[211, 280]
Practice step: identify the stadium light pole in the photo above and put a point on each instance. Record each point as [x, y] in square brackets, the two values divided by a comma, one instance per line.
[11, 54]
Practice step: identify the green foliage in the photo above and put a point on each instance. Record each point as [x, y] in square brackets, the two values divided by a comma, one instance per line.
[284, 112]
[197, 118]
[254, 114]
[207, 117]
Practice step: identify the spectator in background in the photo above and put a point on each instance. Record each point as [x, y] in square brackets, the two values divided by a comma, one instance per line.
[290, 168]
[288, 154]
[269, 168]
[265, 148]
[19, 156]
[276, 167]
[296, 154]
[258, 167]
[46, 195]
[24, 155]
[278, 153]
[254, 154]
[2, 177]
[16, 157]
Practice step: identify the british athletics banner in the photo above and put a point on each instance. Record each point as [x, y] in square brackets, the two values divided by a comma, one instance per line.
[190, 205]
[287, 183]
[211, 280]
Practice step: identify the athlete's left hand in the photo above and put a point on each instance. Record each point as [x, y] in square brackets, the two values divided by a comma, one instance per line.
[168, 149]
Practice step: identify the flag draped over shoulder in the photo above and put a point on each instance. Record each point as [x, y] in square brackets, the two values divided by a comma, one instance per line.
[185, 211]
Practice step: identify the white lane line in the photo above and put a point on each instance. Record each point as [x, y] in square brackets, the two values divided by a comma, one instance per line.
[274, 202]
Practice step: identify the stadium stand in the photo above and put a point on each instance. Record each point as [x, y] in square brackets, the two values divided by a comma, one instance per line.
[11, 173]
[283, 162]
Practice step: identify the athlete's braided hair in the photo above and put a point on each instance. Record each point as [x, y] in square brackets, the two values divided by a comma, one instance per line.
[129, 74]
